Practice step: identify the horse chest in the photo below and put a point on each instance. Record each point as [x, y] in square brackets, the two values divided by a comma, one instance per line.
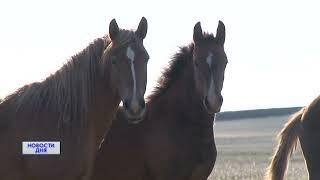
[178, 153]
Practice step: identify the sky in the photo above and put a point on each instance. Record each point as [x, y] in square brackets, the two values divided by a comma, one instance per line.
[272, 46]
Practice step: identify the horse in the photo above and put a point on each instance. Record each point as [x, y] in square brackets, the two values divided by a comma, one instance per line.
[74, 106]
[305, 127]
[175, 141]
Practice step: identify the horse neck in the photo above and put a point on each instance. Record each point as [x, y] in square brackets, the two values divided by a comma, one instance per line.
[100, 93]
[104, 96]
[93, 94]
[184, 109]
[184, 100]
[103, 105]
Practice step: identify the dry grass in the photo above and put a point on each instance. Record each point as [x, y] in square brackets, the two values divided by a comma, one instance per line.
[245, 148]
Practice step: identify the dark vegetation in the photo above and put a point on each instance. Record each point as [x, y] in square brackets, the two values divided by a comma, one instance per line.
[257, 113]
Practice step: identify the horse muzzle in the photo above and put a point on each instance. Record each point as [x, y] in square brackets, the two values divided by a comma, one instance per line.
[135, 110]
[213, 104]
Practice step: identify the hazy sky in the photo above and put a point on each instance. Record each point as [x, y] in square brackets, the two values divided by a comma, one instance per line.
[272, 46]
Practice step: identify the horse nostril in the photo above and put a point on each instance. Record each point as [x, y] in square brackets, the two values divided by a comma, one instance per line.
[221, 99]
[206, 101]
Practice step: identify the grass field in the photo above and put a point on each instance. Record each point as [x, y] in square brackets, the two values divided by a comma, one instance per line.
[245, 147]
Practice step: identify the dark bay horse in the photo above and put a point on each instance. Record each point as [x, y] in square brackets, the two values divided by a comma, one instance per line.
[305, 127]
[75, 106]
[175, 141]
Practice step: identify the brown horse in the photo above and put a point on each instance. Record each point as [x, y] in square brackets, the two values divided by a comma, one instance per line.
[175, 141]
[305, 127]
[75, 106]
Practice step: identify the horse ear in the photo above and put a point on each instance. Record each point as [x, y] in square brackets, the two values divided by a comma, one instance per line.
[113, 29]
[221, 33]
[142, 28]
[197, 33]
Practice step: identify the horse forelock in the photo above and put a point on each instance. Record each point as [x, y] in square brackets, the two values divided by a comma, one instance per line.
[124, 37]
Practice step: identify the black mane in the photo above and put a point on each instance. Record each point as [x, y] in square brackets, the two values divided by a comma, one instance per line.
[178, 62]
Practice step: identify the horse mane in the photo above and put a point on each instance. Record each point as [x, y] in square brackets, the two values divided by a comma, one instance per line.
[176, 65]
[67, 92]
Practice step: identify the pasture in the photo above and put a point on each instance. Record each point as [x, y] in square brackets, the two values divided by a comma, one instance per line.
[245, 147]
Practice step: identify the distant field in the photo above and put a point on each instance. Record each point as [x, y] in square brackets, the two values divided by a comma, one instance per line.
[245, 146]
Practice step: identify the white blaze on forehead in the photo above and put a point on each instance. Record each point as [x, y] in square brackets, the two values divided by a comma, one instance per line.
[211, 90]
[209, 60]
[130, 55]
